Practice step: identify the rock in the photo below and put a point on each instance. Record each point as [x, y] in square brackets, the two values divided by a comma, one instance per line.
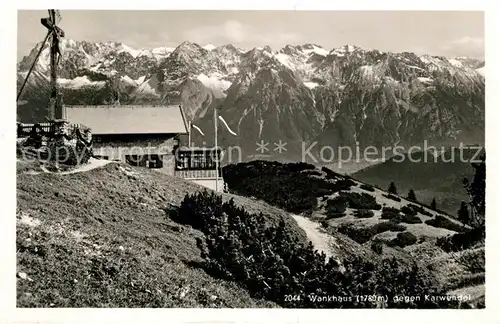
[213, 297]
[184, 291]
[75, 280]
[121, 248]
[22, 275]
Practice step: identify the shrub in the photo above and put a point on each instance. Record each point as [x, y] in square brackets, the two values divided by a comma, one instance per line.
[389, 213]
[363, 213]
[404, 239]
[462, 241]
[443, 222]
[356, 200]
[335, 208]
[377, 247]
[364, 234]
[367, 187]
[342, 184]
[358, 234]
[331, 174]
[297, 167]
[388, 226]
[312, 172]
[395, 198]
[409, 219]
[473, 260]
[408, 210]
[271, 263]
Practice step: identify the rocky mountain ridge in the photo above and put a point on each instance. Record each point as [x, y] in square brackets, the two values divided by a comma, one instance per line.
[296, 94]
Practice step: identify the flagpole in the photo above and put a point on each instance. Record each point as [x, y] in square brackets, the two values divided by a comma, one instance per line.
[189, 134]
[216, 153]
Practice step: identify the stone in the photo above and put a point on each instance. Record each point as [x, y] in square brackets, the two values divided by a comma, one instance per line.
[22, 275]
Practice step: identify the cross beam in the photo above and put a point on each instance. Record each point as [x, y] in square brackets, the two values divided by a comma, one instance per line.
[55, 107]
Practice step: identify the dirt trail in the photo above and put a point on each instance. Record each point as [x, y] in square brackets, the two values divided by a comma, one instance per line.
[322, 241]
[92, 164]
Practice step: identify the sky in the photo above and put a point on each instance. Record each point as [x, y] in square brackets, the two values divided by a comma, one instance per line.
[446, 33]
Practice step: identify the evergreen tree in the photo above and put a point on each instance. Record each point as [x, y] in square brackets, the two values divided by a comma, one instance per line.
[392, 188]
[463, 213]
[476, 190]
[412, 196]
[433, 203]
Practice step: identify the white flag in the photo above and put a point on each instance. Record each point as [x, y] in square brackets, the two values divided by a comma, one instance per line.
[198, 129]
[227, 126]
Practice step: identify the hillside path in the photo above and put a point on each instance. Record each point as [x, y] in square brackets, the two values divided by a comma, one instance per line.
[321, 241]
[92, 164]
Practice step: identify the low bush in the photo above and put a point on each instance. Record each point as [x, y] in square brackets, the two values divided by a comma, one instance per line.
[462, 241]
[355, 200]
[367, 187]
[420, 209]
[364, 234]
[335, 208]
[388, 226]
[395, 198]
[270, 263]
[404, 239]
[312, 172]
[473, 260]
[443, 222]
[389, 213]
[408, 210]
[297, 167]
[408, 219]
[331, 215]
[363, 213]
[377, 247]
[331, 174]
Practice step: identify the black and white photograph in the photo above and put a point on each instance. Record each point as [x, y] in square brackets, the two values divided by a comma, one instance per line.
[250, 159]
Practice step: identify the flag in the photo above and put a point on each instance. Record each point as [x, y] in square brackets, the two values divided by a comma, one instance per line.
[227, 126]
[198, 129]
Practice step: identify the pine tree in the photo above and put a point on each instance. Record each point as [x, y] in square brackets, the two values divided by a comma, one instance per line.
[392, 188]
[476, 190]
[463, 213]
[412, 196]
[433, 203]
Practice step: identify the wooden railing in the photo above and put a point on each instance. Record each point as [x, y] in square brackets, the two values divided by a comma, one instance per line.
[25, 129]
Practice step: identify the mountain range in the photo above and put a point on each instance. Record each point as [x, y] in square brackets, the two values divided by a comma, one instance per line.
[299, 94]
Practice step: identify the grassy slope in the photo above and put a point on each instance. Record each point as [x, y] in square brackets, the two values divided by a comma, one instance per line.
[101, 239]
[417, 229]
[452, 273]
[107, 227]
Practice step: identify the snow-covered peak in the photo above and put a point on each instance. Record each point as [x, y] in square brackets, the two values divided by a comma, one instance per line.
[455, 62]
[341, 51]
[127, 49]
[311, 48]
[209, 47]
[162, 50]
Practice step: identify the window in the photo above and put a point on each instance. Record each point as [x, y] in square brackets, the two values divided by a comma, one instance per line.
[195, 160]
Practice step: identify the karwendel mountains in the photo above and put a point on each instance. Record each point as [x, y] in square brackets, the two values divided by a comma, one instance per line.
[297, 94]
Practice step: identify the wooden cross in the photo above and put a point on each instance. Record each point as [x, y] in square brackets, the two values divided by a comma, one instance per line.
[55, 32]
